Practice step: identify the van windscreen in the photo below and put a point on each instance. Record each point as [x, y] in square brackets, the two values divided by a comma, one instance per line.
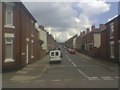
[57, 53]
[52, 53]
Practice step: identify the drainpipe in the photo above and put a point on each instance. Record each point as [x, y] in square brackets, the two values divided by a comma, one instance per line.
[1, 45]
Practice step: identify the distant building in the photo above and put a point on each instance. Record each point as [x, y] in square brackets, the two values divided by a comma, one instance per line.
[71, 43]
[89, 41]
[102, 42]
[43, 37]
[51, 43]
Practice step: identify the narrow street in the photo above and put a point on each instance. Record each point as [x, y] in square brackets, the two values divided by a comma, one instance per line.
[75, 71]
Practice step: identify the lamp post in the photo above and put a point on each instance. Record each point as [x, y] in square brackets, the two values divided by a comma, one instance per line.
[55, 41]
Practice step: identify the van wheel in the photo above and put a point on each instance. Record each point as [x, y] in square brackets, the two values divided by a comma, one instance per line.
[50, 62]
[60, 61]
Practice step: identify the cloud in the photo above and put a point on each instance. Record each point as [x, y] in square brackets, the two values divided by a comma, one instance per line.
[95, 7]
[64, 21]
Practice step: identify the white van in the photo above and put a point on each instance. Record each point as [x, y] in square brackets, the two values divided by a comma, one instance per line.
[55, 55]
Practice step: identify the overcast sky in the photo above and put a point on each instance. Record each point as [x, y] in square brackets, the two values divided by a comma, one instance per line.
[65, 19]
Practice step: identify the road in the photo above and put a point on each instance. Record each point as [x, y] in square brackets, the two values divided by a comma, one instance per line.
[75, 71]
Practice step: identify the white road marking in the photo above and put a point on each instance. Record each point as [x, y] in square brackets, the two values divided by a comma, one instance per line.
[43, 71]
[74, 64]
[57, 80]
[69, 60]
[25, 81]
[66, 56]
[107, 78]
[22, 78]
[45, 68]
[94, 78]
[83, 74]
[22, 72]
[78, 68]
[39, 81]
[117, 77]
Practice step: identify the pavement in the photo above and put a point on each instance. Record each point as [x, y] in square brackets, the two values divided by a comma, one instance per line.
[104, 63]
[75, 71]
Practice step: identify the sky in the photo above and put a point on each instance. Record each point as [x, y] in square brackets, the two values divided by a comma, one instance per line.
[65, 19]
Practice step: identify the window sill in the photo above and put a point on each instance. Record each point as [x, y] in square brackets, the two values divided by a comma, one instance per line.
[119, 41]
[32, 35]
[112, 56]
[111, 37]
[9, 26]
[9, 60]
[32, 56]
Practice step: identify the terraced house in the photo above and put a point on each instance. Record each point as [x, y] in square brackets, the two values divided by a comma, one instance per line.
[19, 36]
[102, 42]
[43, 37]
[113, 39]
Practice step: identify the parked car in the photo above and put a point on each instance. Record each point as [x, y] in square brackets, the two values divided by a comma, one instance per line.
[55, 56]
[71, 50]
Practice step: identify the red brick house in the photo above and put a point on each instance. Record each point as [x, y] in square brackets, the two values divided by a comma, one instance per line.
[113, 39]
[18, 35]
[71, 43]
[110, 41]
[80, 42]
[89, 42]
[102, 42]
[37, 49]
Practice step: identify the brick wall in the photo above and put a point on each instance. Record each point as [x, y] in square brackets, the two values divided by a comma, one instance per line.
[103, 47]
[51, 43]
[22, 36]
[115, 39]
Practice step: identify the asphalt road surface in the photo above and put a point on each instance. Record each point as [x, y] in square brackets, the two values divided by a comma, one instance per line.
[75, 71]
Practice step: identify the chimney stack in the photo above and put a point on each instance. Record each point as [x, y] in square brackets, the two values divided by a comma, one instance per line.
[41, 27]
[87, 30]
[83, 32]
[92, 27]
[102, 26]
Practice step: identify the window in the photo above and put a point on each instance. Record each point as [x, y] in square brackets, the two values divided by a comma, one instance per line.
[57, 53]
[32, 28]
[112, 50]
[111, 30]
[32, 46]
[87, 47]
[9, 49]
[9, 14]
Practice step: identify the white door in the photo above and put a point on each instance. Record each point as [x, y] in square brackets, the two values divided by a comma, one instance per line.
[27, 61]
